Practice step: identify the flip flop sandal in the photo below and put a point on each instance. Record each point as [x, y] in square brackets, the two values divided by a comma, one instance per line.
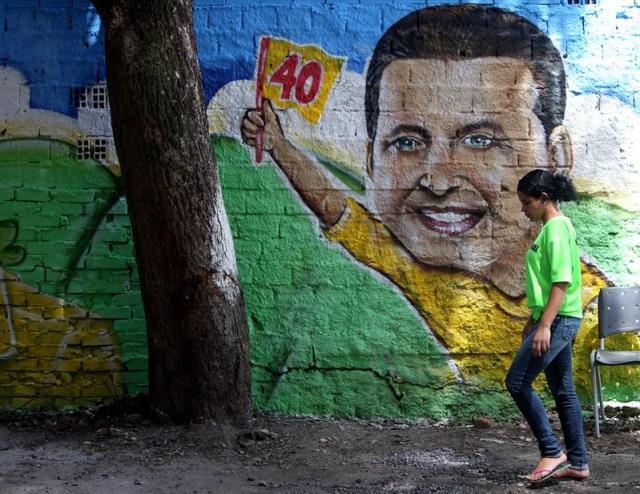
[569, 477]
[547, 473]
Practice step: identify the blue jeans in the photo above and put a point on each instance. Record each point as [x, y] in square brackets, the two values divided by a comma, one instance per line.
[556, 364]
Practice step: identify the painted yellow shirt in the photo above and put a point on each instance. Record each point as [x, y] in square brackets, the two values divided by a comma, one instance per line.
[478, 324]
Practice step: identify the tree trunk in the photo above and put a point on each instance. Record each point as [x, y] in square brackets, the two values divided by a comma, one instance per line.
[196, 324]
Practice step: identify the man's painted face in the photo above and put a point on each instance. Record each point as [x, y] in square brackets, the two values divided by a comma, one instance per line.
[453, 138]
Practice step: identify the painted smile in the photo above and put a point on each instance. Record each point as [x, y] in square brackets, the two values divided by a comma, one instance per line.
[449, 220]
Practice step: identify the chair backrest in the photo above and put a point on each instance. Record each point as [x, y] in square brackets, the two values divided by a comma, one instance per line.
[618, 310]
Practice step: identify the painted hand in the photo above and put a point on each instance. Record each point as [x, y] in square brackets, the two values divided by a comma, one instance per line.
[266, 122]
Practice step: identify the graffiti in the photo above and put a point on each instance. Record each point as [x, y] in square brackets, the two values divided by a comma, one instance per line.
[10, 255]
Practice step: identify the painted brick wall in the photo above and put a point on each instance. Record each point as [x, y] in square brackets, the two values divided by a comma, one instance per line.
[352, 310]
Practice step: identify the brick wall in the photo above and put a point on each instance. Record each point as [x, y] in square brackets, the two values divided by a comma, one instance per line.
[372, 317]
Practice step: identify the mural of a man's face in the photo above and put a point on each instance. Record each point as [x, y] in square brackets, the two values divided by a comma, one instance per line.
[453, 138]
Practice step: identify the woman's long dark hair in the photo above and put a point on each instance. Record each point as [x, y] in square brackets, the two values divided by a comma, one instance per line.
[557, 187]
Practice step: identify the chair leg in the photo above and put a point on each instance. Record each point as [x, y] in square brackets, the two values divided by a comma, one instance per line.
[599, 378]
[594, 390]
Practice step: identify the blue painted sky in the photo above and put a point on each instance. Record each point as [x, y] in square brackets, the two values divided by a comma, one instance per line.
[60, 48]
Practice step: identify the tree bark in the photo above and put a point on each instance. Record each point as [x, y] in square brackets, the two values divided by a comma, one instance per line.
[199, 365]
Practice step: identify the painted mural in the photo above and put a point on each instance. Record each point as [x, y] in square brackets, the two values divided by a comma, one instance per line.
[459, 102]
[368, 159]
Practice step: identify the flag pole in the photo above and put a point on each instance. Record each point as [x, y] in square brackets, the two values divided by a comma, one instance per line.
[262, 61]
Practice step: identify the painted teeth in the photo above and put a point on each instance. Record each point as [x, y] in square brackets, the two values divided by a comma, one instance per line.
[447, 217]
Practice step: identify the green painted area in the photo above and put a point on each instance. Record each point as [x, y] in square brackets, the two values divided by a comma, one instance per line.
[328, 336]
[352, 181]
[59, 204]
[73, 225]
[610, 235]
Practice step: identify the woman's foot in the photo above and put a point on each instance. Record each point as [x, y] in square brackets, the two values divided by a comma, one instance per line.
[572, 474]
[547, 467]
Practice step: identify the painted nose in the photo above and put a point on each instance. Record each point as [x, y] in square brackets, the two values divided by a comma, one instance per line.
[439, 180]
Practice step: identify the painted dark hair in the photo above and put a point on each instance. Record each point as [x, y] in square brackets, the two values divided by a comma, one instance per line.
[557, 187]
[466, 32]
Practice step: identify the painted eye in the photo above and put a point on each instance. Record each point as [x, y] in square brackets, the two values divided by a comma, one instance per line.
[406, 144]
[478, 141]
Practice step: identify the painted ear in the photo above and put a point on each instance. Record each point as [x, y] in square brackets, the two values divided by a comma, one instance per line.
[559, 151]
[370, 158]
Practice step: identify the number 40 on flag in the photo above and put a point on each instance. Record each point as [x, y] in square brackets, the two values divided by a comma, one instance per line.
[295, 76]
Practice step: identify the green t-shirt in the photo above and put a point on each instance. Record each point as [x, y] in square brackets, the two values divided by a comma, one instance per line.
[554, 258]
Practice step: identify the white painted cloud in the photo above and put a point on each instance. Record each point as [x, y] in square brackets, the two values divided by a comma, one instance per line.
[20, 120]
[606, 148]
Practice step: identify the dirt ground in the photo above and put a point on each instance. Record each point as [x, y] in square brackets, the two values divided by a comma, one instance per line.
[124, 452]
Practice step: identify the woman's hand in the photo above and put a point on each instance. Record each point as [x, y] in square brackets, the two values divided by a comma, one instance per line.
[541, 340]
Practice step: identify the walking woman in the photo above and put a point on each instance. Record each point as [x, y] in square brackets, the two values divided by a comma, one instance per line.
[553, 289]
